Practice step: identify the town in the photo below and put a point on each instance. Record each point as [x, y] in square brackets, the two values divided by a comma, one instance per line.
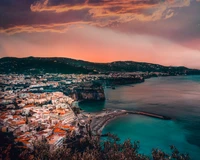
[33, 107]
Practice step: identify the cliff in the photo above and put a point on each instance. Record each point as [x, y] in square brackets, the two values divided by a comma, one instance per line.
[88, 91]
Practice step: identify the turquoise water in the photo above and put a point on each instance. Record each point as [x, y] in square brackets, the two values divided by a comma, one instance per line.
[88, 106]
[152, 133]
[176, 97]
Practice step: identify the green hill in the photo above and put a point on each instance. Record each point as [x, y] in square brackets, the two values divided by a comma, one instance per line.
[36, 65]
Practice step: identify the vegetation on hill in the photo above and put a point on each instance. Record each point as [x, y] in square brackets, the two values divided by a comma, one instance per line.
[33, 65]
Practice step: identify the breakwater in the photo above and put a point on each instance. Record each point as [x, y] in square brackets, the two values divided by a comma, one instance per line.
[149, 115]
[99, 120]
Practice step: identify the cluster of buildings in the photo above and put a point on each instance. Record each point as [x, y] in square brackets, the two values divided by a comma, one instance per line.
[33, 107]
[33, 116]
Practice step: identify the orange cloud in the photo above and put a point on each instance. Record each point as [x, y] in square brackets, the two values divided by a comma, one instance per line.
[118, 10]
[59, 28]
[50, 16]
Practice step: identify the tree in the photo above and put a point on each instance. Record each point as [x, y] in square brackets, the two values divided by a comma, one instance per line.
[90, 148]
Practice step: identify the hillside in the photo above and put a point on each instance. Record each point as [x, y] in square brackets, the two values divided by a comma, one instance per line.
[35, 65]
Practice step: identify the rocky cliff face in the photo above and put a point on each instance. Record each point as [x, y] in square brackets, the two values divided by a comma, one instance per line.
[89, 91]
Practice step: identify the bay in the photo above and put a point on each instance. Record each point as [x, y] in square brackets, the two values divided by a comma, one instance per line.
[176, 97]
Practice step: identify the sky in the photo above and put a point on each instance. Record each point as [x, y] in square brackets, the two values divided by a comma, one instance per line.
[166, 32]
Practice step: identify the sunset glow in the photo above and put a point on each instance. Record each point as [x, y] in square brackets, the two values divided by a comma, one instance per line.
[165, 32]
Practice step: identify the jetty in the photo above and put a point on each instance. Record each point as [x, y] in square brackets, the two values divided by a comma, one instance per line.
[150, 115]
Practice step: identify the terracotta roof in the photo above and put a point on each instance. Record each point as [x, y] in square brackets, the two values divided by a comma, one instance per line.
[3, 116]
[28, 105]
[23, 140]
[61, 111]
[58, 130]
[20, 122]
[47, 112]
[17, 111]
[16, 116]
[10, 120]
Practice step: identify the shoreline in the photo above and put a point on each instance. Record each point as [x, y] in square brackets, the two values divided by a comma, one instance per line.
[100, 120]
[100, 123]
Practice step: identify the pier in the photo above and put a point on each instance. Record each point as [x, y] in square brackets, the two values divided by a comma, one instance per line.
[149, 115]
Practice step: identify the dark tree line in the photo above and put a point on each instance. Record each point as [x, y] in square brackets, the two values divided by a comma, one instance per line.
[86, 148]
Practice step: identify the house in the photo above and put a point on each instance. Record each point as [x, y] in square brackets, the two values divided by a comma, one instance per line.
[24, 128]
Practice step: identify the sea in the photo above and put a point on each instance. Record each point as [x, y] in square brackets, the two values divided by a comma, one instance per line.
[177, 97]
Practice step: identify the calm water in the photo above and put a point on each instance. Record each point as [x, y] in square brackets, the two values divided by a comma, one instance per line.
[177, 97]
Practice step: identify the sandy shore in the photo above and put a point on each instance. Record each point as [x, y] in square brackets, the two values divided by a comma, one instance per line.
[99, 120]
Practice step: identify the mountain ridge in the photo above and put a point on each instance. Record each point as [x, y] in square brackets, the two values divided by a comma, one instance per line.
[39, 65]
[118, 61]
